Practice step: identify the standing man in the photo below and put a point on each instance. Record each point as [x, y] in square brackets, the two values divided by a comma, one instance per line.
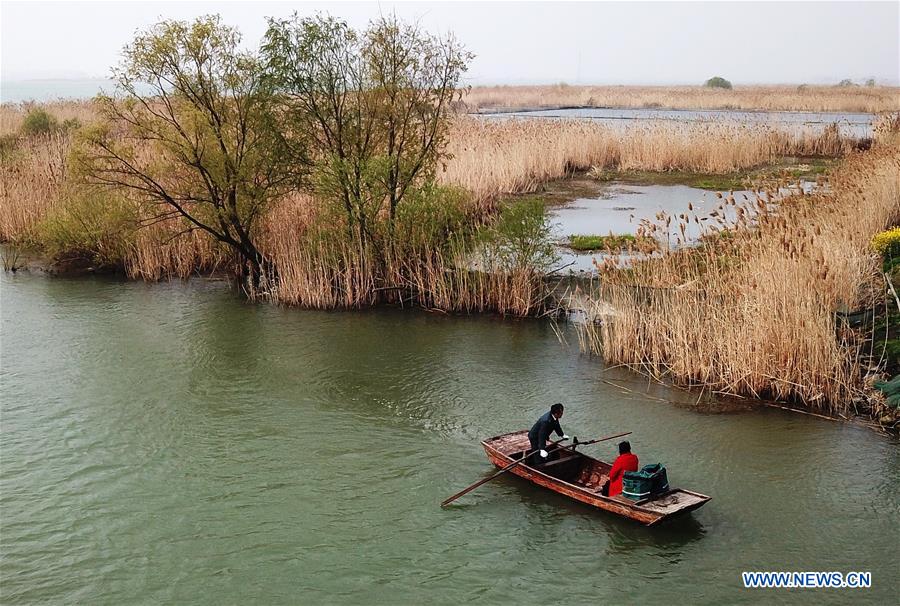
[541, 430]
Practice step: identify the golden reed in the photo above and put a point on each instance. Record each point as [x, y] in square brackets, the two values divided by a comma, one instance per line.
[756, 310]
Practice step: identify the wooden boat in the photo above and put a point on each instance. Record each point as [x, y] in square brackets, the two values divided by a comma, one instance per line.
[580, 477]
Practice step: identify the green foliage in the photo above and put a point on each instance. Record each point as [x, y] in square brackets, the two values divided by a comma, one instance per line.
[71, 124]
[431, 218]
[717, 82]
[611, 242]
[886, 330]
[585, 242]
[8, 145]
[891, 388]
[846, 83]
[870, 83]
[92, 225]
[372, 107]
[200, 141]
[39, 121]
[520, 238]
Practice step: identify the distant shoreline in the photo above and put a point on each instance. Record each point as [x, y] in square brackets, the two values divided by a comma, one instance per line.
[505, 99]
[42, 90]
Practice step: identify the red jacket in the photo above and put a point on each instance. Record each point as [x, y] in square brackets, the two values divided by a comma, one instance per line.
[625, 462]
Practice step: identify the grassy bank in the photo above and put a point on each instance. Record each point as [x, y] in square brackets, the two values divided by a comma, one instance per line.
[810, 168]
[612, 242]
[760, 313]
[773, 98]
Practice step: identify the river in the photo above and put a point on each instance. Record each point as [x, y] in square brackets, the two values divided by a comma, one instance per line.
[171, 443]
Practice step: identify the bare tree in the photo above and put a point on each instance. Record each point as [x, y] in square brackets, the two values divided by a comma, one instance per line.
[190, 131]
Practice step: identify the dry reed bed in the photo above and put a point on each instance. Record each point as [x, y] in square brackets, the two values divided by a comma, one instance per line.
[164, 250]
[496, 157]
[12, 115]
[33, 184]
[772, 98]
[754, 313]
[327, 272]
[30, 184]
[337, 275]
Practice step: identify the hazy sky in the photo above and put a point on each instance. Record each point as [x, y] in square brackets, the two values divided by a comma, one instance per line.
[519, 42]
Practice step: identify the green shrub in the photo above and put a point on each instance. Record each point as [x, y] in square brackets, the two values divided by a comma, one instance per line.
[520, 238]
[430, 216]
[39, 121]
[846, 83]
[717, 82]
[8, 144]
[91, 226]
[71, 124]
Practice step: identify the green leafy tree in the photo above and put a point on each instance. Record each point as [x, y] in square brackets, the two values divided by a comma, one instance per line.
[717, 82]
[371, 108]
[190, 131]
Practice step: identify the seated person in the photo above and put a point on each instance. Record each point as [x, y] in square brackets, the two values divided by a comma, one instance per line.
[624, 462]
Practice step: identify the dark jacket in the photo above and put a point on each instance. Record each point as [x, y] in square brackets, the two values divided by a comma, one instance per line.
[541, 431]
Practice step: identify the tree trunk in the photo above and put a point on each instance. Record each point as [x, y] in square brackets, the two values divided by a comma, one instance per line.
[254, 270]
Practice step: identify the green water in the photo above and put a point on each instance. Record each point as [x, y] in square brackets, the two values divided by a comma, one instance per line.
[171, 443]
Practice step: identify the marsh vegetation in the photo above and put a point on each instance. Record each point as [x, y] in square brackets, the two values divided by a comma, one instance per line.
[760, 308]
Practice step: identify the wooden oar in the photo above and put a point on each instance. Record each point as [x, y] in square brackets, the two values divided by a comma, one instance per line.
[556, 446]
[576, 444]
[505, 469]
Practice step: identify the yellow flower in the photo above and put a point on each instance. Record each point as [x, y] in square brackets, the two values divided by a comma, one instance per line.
[886, 240]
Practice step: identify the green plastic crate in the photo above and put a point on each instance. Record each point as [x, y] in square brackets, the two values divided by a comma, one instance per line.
[650, 480]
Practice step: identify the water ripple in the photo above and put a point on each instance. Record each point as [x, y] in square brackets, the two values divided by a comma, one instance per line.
[169, 443]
